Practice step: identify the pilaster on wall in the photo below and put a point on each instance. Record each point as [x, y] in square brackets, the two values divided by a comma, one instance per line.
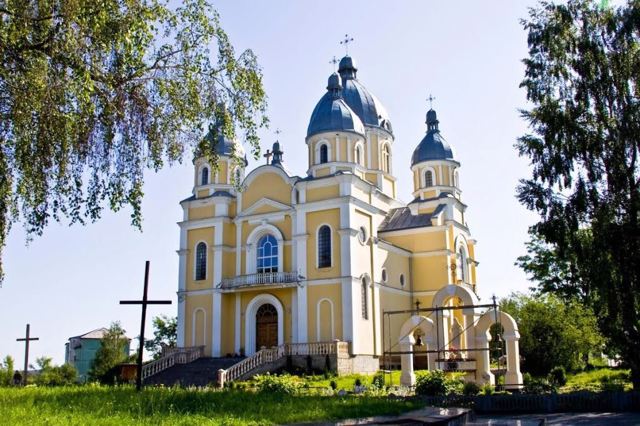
[216, 315]
[300, 252]
[182, 286]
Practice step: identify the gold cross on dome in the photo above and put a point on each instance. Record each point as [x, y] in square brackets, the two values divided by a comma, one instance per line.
[346, 42]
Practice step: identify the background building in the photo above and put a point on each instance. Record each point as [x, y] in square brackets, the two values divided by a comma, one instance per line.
[81, 350]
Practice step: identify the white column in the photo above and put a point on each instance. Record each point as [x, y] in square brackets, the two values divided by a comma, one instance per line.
[513, 376]
[483, 366]
[238, 324]
[407, 376]
[216, 314]
[182, 284]
[301, 237]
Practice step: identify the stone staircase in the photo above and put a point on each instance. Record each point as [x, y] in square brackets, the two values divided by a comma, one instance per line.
[201, 372]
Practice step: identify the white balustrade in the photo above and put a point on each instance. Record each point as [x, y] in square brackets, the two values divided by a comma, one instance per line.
[171, 357]
[265, 278]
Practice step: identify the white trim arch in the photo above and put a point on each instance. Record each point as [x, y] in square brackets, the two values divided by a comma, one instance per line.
[387, 168]
[462, 259]
[359, 146]
[467, 296]
[331, 242]
[199, 174]
[365, 284]
[250, 320]
[194, 324]
[331, 312]
[423, 179]
[252, 250]
[195, 260]
[318, 145]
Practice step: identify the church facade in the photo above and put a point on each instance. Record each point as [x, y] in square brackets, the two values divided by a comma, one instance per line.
[268, 258]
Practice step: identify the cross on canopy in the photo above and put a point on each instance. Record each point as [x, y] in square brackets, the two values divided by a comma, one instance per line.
[144, 302]
[431, 99]
[346, 42]
[268, 155]
[26, 341]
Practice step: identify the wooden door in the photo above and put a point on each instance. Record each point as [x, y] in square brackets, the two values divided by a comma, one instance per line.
[266, 326]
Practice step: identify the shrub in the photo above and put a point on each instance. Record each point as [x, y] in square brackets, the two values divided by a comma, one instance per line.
[284, 384]
[333, 385]
[358, 382]
[558, 376]
[470, 389]
[537, 386]
[431, 383]
[378, 380]
[488, 389]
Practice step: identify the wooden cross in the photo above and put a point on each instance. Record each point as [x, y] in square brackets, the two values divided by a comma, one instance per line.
[346, 42]
[26, 341]
[144, 302]
[431, 99]
[268, 155]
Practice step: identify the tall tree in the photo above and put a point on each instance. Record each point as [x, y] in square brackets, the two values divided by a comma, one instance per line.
[93, 92]
[583, 79]
[112, 352]
[165, 334]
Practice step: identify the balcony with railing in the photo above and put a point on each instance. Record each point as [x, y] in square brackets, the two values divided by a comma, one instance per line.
[285, 279]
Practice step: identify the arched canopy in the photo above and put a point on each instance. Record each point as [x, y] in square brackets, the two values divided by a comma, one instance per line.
[467, 296]
[489, 318]
[420, 322]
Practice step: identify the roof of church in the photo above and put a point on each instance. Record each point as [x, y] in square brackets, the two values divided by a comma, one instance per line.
[433, 146]
[360, 99]
[215, 194]
[222, 145]
[98, 333]
[332, 112]
[401, 218]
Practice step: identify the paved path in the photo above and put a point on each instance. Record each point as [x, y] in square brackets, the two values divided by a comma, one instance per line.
[580, 419]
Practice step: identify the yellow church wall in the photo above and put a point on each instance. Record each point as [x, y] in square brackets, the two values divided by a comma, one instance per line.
[388, 186]
[266, 209]
[419, 242]
[202, 193]
[267, 185]
[344, 150]
[201, 212]
[393, 301]
[315, 294]
[430, 272]
[361, 254]
[202, 329]
[371, 178]
[395, 264]
[287, 263]
[284, 226]
[228, 264]
[375, 151]
[361, 195]
[329, 217]
[229, 234]
[193, 237]
[323, 171]
[222, 172]
[323, 193]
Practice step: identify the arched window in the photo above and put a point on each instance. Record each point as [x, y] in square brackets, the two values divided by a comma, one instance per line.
[201, 261]
[428, 178]
[204, 176]
[324, 247]
[386, 159]
[363, 297]
[384, 275]
[359, 155]
[455, 179]
[401, 280]
[267, 254]
[462, 265]
[324, 154]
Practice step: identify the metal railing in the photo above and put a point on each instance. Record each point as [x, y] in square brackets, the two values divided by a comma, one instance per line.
[266, 356]
[171, 357]
[265, 278]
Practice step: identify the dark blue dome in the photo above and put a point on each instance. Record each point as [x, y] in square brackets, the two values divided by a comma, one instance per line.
[222, 145]
[360, 100]
[332, 113]
[432, 146]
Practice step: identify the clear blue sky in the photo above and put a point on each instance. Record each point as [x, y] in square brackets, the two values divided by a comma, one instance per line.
[466, 53]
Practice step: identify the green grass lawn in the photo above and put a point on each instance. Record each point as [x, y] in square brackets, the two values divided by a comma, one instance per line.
[593, 379]
[100, 405]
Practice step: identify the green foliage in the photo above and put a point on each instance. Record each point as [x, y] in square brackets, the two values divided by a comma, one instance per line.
[432, 383]
[6, 371]
[94, 93]
[358, 382]
[55, 375]
[582, 79]
[537, 385]
[378, 380]
[470, 389]
[122, 405]
[165, 334]
[333, 384]
[112, 352]
[488, 389]
[278, 384]
[552, 332]
[558, 376]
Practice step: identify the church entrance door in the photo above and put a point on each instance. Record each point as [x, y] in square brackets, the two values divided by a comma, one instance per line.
[266, 326]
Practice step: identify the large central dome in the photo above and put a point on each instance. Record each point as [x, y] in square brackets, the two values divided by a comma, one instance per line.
[360, 100]
[330, 114]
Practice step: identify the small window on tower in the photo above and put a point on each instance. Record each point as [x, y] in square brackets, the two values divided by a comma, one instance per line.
[428, 178]
[204, 178]
[359, 155]
[324, 154]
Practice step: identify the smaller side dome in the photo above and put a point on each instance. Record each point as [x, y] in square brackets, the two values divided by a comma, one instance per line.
[433, 146]
[347, 67]
[222, 145]
[332, 113]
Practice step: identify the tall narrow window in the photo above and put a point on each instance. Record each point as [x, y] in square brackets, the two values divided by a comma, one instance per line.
[363, 297]
[324, 247]
[462, 261]
[359, 155]
[324, 154]
[386, 159]
[428, 178]
[267, 254]
[201, 261]
[204, 176]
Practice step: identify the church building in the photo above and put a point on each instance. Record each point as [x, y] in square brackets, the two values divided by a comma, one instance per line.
[268, 258]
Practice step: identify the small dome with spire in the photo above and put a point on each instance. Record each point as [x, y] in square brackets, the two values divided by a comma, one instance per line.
[332, 113]
[433, 146]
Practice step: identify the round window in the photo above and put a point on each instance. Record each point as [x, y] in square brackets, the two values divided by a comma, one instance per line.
[362, 235]
[384, 275]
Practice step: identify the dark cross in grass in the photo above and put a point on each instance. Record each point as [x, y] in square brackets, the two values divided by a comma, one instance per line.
[144, 302]
[26, 341]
